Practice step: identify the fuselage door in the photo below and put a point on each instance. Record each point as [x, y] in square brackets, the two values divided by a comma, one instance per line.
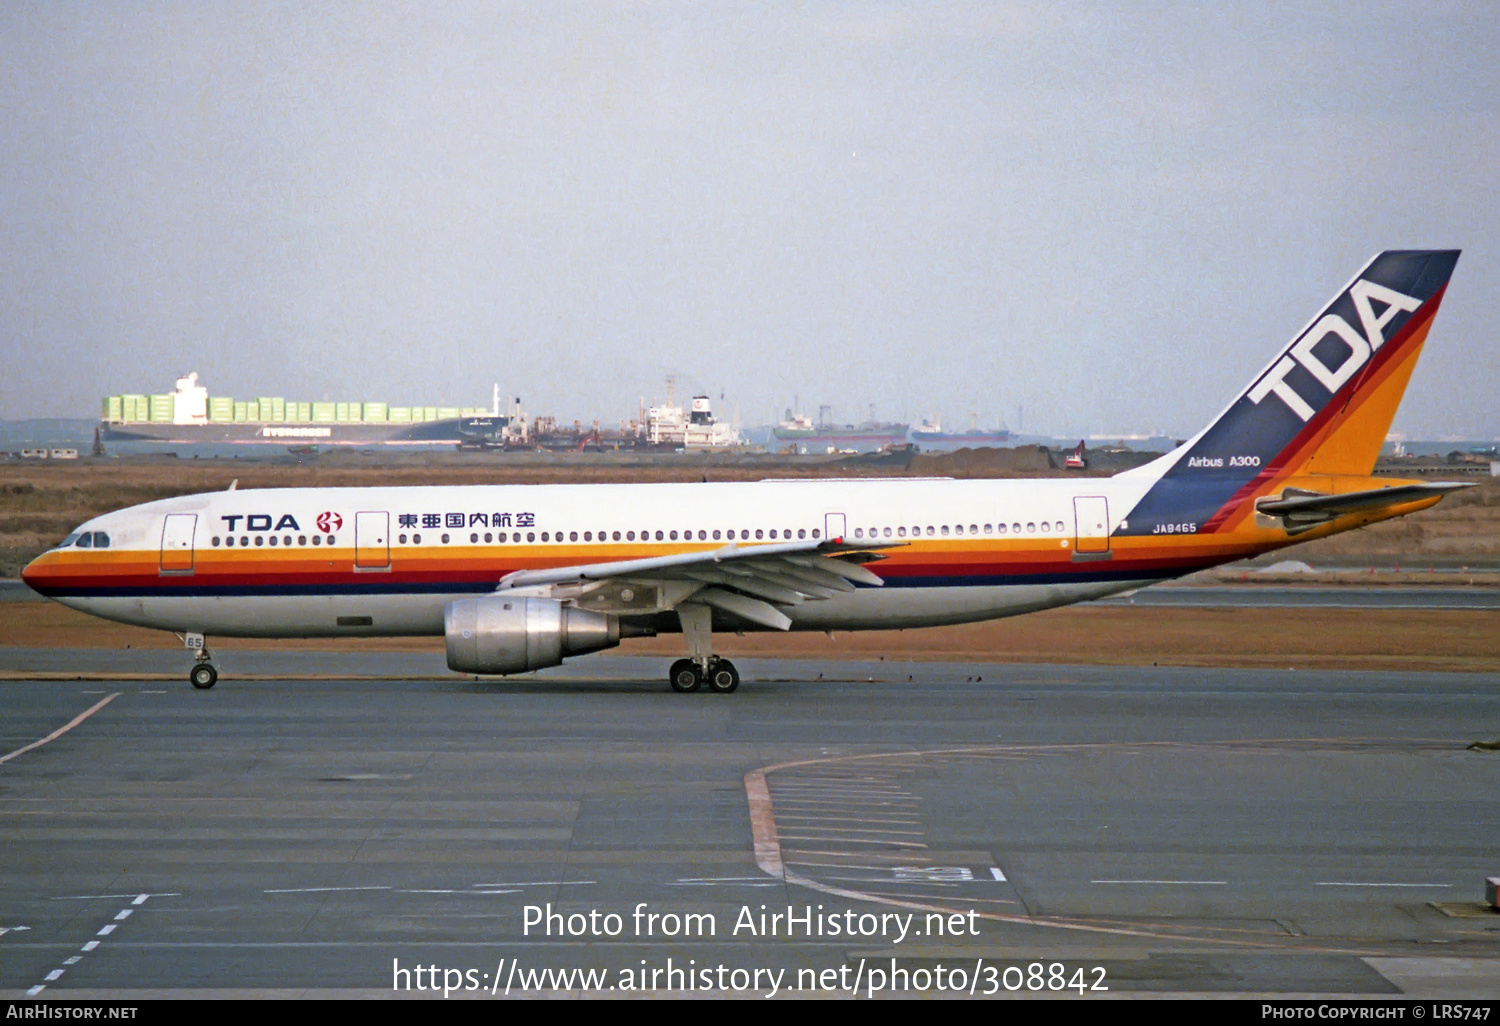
[372, 541]
[1091, 522]
[177, 543]
[834, 526]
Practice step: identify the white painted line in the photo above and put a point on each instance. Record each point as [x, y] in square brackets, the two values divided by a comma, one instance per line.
[879, 831]
[94, 897]
[34, 991]
[91, 945]
[995, 872]
[721, 879]
[825, 817]
[60, 731]
[502, 890]
[324, 890]
[1348, 883]
[1168, 883]
[74, 960]
[743, 883]
[881, 841]
[54, 974]
[124, 914]
[106, 931]
[541, 883]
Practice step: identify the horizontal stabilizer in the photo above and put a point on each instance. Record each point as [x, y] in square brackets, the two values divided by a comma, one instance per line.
[1306, 509]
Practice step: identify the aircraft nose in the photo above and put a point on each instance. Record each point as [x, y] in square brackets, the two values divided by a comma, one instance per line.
[33, 573]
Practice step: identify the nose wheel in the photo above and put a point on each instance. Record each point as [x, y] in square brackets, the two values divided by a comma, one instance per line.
[204, 676]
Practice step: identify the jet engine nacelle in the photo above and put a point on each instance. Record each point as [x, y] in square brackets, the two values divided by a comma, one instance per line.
[497, 634]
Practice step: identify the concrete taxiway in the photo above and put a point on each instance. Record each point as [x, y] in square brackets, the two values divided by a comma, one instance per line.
[1142, 829]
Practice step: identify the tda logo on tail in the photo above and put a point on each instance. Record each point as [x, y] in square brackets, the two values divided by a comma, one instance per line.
[1342, 340]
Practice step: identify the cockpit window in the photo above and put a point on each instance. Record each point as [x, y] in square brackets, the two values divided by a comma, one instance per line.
[69, 540]
[85, 540]
[101, 540]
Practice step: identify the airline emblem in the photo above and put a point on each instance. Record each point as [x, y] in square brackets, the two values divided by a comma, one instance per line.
[329, 522]
[1360, 346]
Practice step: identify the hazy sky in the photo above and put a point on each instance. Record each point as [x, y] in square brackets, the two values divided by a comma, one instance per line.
[1108, 213]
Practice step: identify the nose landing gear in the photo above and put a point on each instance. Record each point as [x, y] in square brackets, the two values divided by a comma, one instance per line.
[203, 675]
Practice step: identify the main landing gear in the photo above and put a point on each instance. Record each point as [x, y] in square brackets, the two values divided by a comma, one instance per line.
[703, 667]
[720, 676]
[203, 675]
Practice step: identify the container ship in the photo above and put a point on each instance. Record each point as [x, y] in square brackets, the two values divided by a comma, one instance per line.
[190, 416]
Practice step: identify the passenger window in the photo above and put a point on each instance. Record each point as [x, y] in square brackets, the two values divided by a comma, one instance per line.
[1046, 527]
[815, 532]
[544, 536]
[957, 529]
[672, 536]
[716, 536]
[887, 532]
[572, 536]
[859, 532]
[900, 532]
[1031, 529]
[659, 536]
[729, 534]
[330, 539]
[302, 539]
[1015, 528]
[501, 537]
[973, 529]
[474, 538]
[930, 531]
[617, 536]
[945, 530]
[986, 528]
[757, 532]
[703, 536]
[588, 535]
[487, 538]
[216, 541]
[629, 535]
[318, 539]
[273, 541]
[1002, 528]
[260, 540]
[445, 539]
[531, 536]
[1060, 527]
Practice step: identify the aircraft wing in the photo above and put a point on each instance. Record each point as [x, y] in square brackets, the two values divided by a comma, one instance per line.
[1307, 509]
[750, 581]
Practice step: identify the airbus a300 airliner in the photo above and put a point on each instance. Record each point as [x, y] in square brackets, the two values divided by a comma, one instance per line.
[518, 578]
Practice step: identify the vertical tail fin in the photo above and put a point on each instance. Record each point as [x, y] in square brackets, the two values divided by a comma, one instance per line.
[1321, 406]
